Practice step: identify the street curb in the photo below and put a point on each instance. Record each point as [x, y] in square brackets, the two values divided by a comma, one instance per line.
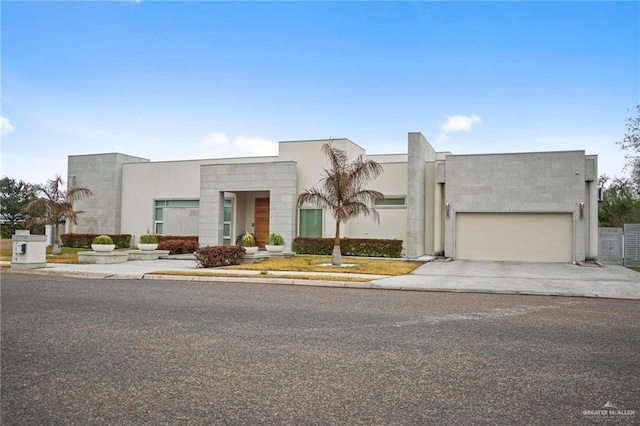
[301, 282]
[512, 292]
[261, 280]
[89, 275]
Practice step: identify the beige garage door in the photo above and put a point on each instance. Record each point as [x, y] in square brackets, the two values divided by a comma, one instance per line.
[532, 237]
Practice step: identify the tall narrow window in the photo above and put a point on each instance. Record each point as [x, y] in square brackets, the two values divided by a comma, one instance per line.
[228, 214]
[310, 223]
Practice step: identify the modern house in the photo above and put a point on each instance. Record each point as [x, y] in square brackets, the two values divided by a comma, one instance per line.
[539, 206]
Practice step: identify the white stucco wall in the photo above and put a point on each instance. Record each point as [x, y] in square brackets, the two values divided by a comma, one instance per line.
[143, 183]
[393, 220]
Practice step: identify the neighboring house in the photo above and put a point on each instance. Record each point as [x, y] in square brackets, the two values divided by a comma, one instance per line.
[539, 206]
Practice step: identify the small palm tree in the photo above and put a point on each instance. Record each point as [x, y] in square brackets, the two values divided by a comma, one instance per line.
[54, 205]
[342, 191]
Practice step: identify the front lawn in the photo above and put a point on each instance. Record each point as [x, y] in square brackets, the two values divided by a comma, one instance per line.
[304, 263]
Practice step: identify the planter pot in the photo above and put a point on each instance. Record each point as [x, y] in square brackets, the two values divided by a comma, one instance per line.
[251, 250]
[103, 247]
[274, 249]
[147, 247]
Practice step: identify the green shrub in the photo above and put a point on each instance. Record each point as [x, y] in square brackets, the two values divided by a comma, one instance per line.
[102, 239]
[162, 238]
[365, 247]
[247, 240]
[148, 238]
[275, 239]
[214, 256]
[7, 231]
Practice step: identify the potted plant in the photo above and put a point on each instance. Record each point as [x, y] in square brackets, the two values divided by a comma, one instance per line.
[275, 243]
[148, 241]
[248, 241]
[102, 243]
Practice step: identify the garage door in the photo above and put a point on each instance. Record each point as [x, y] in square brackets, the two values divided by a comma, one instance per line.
[531, 237]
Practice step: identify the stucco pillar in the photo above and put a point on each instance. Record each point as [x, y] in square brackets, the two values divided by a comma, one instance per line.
[417, 156]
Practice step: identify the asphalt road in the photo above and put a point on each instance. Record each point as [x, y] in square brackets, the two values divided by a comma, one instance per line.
[78, 351]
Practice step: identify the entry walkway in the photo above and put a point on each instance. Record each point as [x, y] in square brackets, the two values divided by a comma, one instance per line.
[610, 281]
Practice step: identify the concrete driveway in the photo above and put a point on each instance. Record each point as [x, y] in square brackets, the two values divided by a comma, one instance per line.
[526, 278]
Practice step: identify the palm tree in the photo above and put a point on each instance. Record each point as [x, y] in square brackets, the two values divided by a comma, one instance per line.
[342, 191]
[55, 205]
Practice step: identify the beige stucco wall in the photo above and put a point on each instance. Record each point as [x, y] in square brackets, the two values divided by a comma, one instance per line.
[180, 180]
[311, 163]
[143, 183]
[393, 220]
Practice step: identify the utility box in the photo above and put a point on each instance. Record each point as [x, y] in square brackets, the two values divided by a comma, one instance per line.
[29, 251]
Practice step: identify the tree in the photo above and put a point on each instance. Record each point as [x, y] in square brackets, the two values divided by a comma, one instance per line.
[342, 191]
[15, 194]
[54, 205]
[631, 142]
[620, 204]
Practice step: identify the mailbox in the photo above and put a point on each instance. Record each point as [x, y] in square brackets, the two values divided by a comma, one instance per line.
[21, 248]
[29, 251]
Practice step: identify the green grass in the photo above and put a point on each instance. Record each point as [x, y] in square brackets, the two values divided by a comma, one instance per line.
[301, 263]
[634, 268]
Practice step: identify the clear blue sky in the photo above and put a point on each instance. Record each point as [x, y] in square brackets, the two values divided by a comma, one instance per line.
[176, 80]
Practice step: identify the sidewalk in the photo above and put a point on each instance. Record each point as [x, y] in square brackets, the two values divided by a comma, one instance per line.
[549, 279]
[147, 269]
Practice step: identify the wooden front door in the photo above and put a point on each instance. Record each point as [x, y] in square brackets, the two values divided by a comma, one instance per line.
[261, 216]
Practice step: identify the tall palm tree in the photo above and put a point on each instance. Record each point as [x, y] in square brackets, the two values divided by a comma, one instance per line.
[342, 191]
[54, 205]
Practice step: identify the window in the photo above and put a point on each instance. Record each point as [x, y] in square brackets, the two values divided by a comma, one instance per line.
[226, 231]
[161, 204]
[392, 202]
[310, 223]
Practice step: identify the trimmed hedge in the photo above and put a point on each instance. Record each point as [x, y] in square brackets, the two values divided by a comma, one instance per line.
[84, 240]
[365, 247]
[162, 238]
[178, 246]
[214, 256]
